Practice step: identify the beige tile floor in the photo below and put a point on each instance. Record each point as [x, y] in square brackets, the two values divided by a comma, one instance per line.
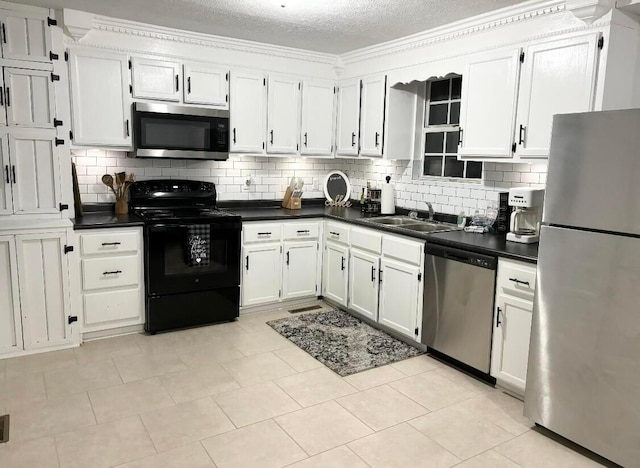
[240, 395]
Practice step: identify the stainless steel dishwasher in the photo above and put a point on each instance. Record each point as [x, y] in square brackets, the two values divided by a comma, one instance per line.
[457, 316]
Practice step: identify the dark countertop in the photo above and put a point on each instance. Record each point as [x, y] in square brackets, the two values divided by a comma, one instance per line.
[493, 244]
[105, 219]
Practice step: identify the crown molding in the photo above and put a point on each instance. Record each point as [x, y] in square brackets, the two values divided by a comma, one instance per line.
[134, 28]
[485, 22]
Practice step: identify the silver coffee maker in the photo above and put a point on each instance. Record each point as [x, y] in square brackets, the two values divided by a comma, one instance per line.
[527, 215]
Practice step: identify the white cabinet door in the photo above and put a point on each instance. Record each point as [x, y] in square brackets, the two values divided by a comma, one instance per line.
[558, 78]
[156, 79]
[248, 109]
[10, 320]
[100, 100]
[511, 333]
[44, 289]
[488, 107]
[317, 117]
[206, 85]
[283, 114]
[261, 274]
[363, 283]
[400, 293]
[299, 277]
[25, 36]
[335, 272]
[6, 202]
[372, 115]
[348, 125]
[35, 168]
[29, 98]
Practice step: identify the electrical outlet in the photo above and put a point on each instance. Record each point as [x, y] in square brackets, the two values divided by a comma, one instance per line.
[316, 185]
[248, 183]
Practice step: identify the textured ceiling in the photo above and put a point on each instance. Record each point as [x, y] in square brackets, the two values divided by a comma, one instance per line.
[333, 26]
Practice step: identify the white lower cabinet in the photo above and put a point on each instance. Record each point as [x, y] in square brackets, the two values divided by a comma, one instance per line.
[299, 270]
[279, 261]
[112, 278]
[261, 273]
[512, 324]
[400, 294]
[35, 297]
[335, 272]
[363, 283]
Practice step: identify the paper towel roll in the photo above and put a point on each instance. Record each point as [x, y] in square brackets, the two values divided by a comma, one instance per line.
[388, 199]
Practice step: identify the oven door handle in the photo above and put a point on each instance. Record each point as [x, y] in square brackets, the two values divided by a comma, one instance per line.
[215, 227]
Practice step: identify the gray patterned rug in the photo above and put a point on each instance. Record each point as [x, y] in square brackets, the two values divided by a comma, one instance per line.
[342, 342]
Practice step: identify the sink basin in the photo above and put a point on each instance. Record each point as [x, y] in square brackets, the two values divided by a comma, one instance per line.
[426, 226]
[395, 220]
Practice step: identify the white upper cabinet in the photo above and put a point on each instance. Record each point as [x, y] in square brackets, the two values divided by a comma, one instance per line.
[43, 276]
[207, 85]
[35, 172]
[348, 125]
[100, 100]
[372, 115]
[248, 109]
[25, 35]
[156, 79]
[283, 114]
[558, 77]
[6, 204]
[10, 320]
[488, 107]
[29, 98]
[317, 118]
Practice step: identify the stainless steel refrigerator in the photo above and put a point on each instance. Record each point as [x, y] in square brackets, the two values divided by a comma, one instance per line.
[583, 379]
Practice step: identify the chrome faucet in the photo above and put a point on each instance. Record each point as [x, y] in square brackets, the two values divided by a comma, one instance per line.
[413, 214]
[430, 211]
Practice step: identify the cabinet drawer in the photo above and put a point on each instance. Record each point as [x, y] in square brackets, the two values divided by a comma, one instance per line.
[516, 279]
[101, 273]
[108, 243]
[337, 233]
[366, 239]
[261, 232]
[402, 249]
[300, 231]
[112, 306]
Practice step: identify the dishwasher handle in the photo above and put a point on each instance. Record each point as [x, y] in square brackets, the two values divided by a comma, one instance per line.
[489, 262]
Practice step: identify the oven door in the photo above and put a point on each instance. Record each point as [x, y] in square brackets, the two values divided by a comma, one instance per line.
[169, 271]
[165, 131]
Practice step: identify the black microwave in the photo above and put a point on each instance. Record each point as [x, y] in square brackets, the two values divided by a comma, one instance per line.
[179, 132]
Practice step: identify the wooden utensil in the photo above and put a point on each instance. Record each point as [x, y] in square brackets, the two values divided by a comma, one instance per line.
[107, 180]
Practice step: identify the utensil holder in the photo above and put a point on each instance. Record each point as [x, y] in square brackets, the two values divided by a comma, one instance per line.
[122, 206]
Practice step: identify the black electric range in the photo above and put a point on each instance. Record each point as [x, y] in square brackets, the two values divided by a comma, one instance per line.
[192, 254]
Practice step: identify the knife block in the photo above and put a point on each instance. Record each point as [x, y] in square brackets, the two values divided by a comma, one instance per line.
[290, 202]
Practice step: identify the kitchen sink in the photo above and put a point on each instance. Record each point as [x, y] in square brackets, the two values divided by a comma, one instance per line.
[426, 226]
[395, 220]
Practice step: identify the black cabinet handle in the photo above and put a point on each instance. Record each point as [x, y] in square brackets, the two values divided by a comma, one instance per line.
[373, 274]
[4, 34]
[342, 264]
[517, 281]
[234, 135]
[305, 139]
[189, 85]
[13, 172]
[177, 83]
[1, 96]
[6, 174]
[334, 233]
[287, 258]
[522, 134]
[264, 233]
[247, 264]
[303, 231]
[271, 132]
[460, 134]
[111, 243]
[379, 276]
[498, 313]
[112, 272]
[7, 95]
[377, 139]
[126, 126]
[353, 139]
